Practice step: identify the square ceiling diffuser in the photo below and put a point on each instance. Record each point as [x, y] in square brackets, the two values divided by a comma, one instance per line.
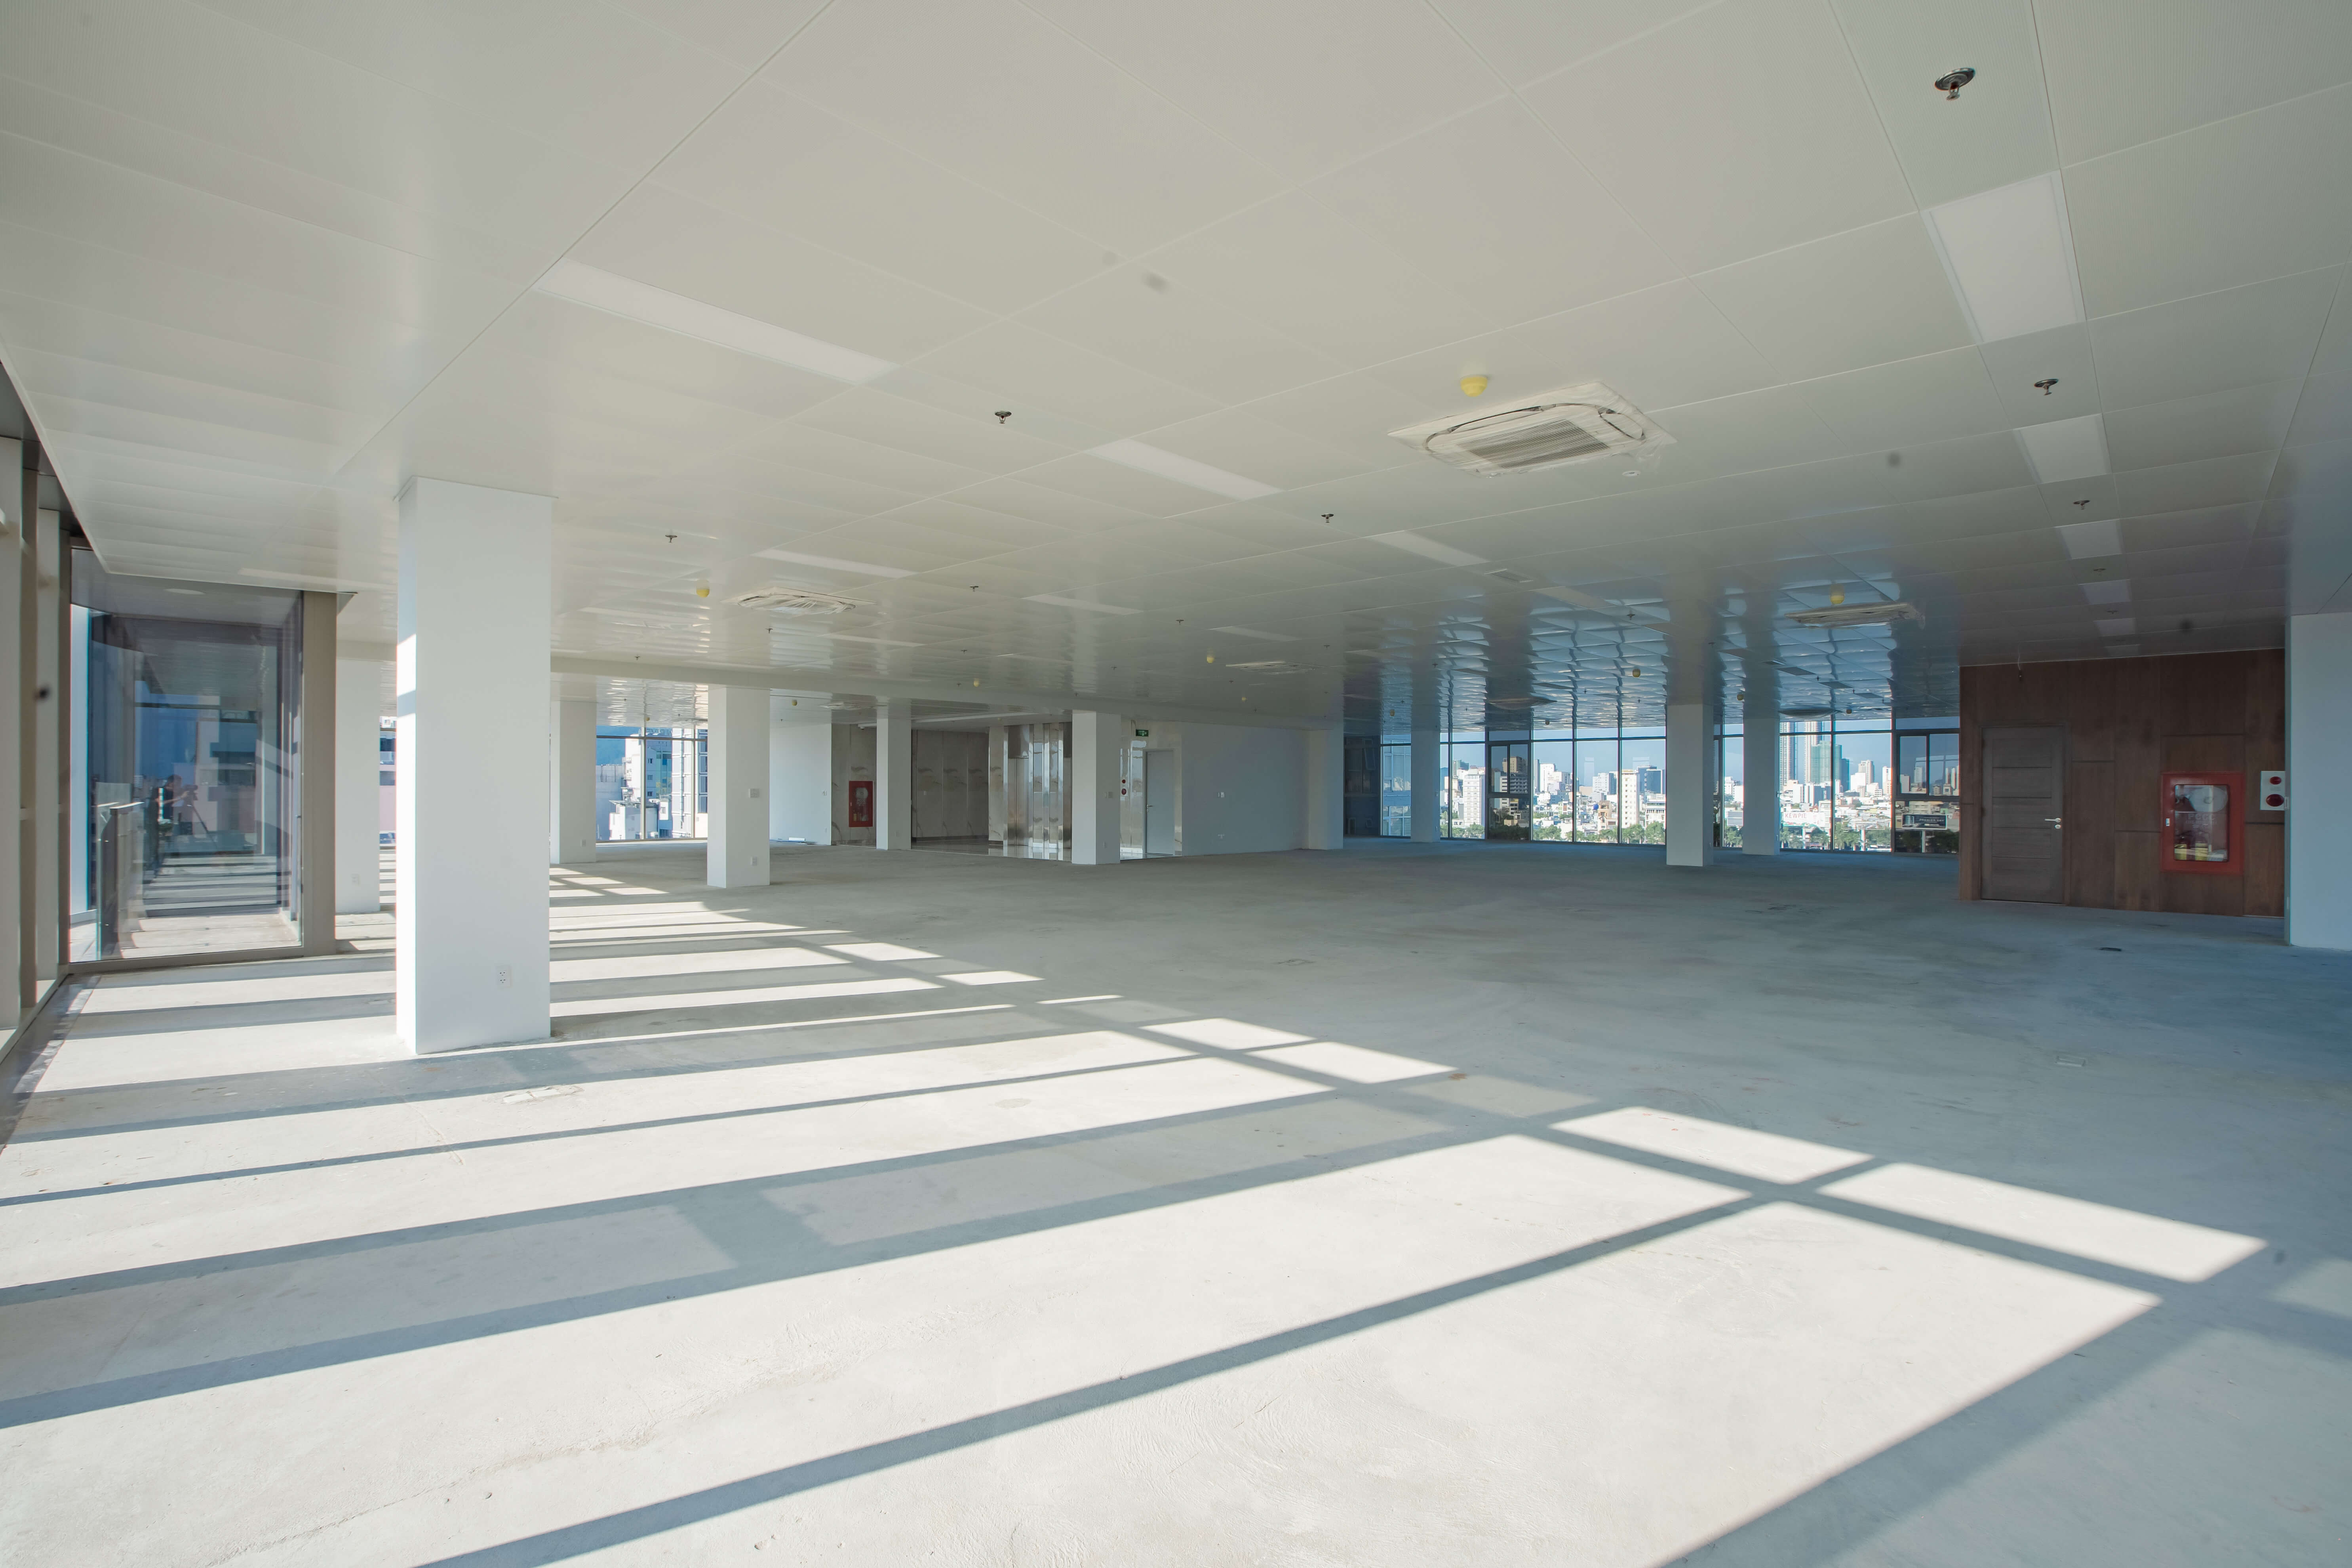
[1572, 425]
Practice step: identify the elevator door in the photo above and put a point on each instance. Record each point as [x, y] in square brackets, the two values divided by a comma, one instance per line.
[2024, 814]
[1047, 819]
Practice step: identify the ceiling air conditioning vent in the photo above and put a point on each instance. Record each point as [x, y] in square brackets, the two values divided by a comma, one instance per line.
[780, 600]
[1860, 614]
[1573, 424]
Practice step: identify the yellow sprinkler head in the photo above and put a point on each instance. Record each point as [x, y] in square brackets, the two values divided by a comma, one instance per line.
[1472, 385]
[1837, 593]
[702, 590]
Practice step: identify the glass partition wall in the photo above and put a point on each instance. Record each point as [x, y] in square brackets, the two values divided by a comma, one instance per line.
[186, 795]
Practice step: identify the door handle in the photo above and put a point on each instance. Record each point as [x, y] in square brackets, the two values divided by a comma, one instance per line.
[2057, 822]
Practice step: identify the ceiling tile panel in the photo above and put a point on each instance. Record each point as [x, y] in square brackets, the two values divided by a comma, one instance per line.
[1294, 264]
[1935, 397]
[1525, 42]
[990, 89]
[1857, 299]
[1027, 369]
[1313, 87]
[1165, 327]
[784, 162]
[2218, 425]
[1660, 347]
[1736, 131]
[1997, 132]
[2215, 482]
[1494, 203]
[2217, 208]
[2239, 337]
[2124, 72]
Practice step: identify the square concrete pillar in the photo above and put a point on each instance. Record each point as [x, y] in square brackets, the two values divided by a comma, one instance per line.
[2319, 781]
[1095, 742]
[736, 852]
[1759, 771]
[1691, 764]
[470, 964]
[1326, 821]
[894, 775]
[571, 781]
[1427, 768]
[47, 837]
[19, 503]
[359, 787]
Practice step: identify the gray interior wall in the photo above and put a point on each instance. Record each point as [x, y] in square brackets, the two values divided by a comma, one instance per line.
[852, 758]
[1244, 790]
[951, 779]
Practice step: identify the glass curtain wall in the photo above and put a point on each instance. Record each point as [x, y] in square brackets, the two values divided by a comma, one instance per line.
[1462, 810]
[1926, 804]
[653, 781]
[1396, 789]
[184, 790]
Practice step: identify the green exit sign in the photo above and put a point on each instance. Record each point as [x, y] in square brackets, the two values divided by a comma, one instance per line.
[1143, 734]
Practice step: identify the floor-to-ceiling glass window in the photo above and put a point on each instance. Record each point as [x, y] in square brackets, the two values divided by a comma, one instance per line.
[1461, 812]
[1596, 785]
[1642, 784]
[1510, 787]
[1926, 794]
[1554, 810]
[1396, 789]
[185, 780]
[1731, 793]
[1837, 784]
[1865, 791]
[652, 782]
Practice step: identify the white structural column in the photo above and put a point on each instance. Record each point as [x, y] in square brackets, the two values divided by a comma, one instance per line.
[359, 785]
[571, 781]
[48, 595]
[1760, 770]
[1691, 765]
[20, 486]
[894, 774]
[1095, 741]
[2319, 781]
[736, 855]
[800, 771]
[469, 883]
[1426, 773]
[1326, 789]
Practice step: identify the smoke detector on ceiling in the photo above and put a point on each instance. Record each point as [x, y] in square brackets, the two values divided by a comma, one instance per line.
[781, 600]
[1573, 424]
[1877, 615]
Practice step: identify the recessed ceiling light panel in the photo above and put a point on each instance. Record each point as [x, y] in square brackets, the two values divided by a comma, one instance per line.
[618, 296]
[2066, 449]
[1148, 459]
[2011, 258]
[1572, 425]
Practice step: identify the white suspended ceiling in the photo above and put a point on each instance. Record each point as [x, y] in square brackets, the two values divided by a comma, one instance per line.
[743, 286]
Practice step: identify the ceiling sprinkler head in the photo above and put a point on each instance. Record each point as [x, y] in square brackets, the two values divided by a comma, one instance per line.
[702, 590]
[1002, 415]
[1950, 83]
[1837, 593]
[1472, 385]
[2043, 386]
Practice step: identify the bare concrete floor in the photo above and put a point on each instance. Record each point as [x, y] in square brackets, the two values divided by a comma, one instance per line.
[1412, 1205]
